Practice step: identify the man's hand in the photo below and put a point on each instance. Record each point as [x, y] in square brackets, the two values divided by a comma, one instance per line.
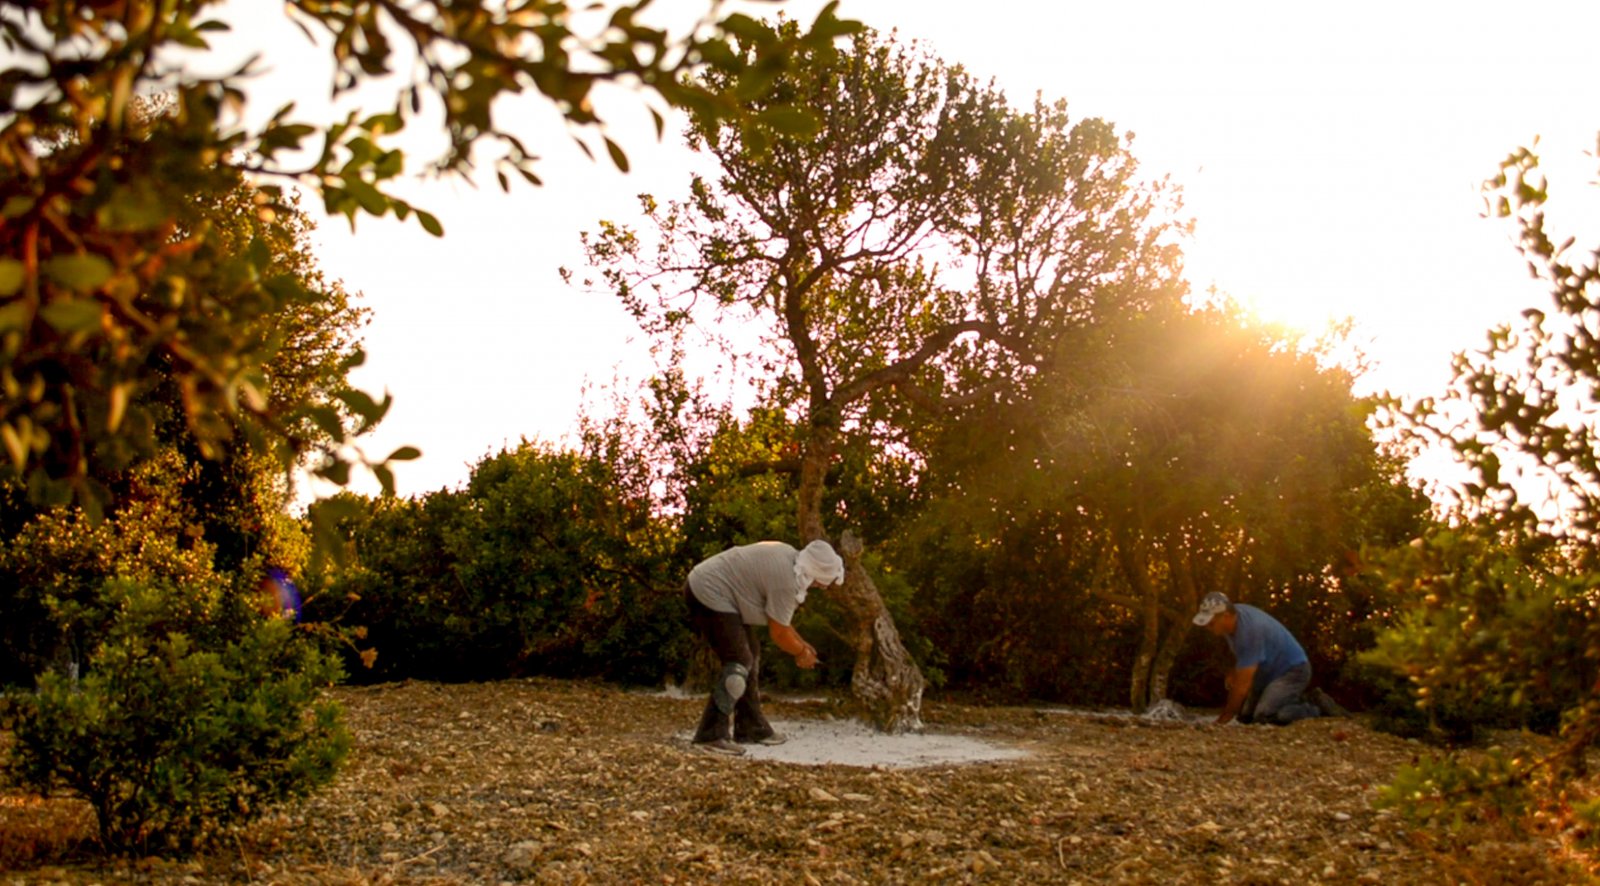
[790, 641]
[1239, 681]
[807, 658]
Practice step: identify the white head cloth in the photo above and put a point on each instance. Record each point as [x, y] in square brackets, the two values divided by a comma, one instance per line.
[817, 562]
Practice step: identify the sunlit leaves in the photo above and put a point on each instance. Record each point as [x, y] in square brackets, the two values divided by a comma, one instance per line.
[1501, 619]
[72, 315]
[123, 271]
[79, 273]
[12, 274]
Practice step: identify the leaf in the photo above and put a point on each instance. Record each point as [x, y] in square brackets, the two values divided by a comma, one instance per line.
[370, 198]
[430, 224]
[335, 472]
[385, 478]
[80, 273]
[118, 407]
[362, 404]
[14, 445]
[741, 25]
[326, 418]
[12, 273]
[384, 124]
[287, 135]
[754, 82]
[404, 453]
[16, 316]
[325, 530]
[16, 206]
[828, 25]
[617, 155]
[71, 315]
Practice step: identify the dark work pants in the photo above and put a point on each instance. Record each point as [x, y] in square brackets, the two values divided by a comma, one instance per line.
[1281, 701]
[733, 641]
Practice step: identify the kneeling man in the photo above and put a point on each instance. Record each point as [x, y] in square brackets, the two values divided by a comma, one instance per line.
[1270, 671]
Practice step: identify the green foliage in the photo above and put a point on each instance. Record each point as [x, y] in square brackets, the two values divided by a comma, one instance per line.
[1486, 634]
[1164, 453]
[545, 563]
[921, 248]
[1499, 617]
[192, 717]
[1389, 701]
[1449, 792]
[53, 566]
[107, 286]
[1005, 605]
[813, 244]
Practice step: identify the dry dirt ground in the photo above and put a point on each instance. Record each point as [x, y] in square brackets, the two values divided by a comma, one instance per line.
[545, 781]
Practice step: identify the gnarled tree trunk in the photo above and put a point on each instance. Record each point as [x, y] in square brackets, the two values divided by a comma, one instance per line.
[886, 681]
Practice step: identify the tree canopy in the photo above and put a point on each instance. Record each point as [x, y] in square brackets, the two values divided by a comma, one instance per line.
[925, 244]
[102, 275]
[1159, 457]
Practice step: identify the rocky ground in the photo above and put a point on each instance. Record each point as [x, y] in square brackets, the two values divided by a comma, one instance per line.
[561, 782]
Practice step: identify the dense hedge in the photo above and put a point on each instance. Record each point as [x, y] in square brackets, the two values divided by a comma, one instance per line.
[540, 565]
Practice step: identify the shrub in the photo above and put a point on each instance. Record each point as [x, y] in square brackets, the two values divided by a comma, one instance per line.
[546, 563]
[1488, 634]
[188, 721]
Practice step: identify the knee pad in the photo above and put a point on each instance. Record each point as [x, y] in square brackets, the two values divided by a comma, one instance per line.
[730, 686]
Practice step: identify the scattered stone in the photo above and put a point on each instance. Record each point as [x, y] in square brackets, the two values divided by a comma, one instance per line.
[611, 798]
[521, 857]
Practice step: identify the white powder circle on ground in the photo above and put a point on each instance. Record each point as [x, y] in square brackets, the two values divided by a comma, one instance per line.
[853, 743]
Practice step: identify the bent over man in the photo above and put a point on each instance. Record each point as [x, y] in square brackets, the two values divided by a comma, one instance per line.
[732, 594]
[1270, 671]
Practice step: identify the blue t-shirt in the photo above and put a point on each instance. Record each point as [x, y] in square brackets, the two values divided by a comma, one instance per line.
[1261, 640]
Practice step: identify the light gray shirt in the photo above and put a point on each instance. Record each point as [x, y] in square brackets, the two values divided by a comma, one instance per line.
[756, 581]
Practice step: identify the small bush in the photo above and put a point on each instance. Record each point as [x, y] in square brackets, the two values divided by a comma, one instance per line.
[1391, 701]
[185, 724]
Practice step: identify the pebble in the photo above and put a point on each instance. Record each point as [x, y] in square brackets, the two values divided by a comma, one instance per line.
[522, 856]
[822, 796]
[1341, 816]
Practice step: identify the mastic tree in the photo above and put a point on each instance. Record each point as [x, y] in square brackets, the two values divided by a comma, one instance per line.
[1498, 610]
[1164, 456]
[917, 247]
[101, 277]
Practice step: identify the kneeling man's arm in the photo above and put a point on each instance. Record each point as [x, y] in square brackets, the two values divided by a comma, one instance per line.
[1239, 682]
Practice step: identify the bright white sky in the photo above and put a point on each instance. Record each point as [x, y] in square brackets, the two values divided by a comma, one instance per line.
[1331, 155]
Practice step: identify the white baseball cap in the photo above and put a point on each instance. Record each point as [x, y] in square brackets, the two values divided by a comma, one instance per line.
[1214, 604]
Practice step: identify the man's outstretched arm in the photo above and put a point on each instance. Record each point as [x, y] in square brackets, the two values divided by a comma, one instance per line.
[790, 641]
[1239, 682]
